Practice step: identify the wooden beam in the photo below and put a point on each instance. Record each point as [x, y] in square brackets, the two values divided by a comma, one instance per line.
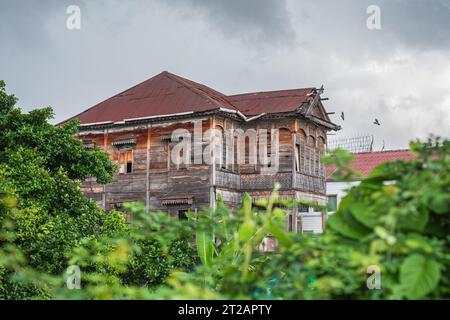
[212, 145]
[105, 147]
[147, 170]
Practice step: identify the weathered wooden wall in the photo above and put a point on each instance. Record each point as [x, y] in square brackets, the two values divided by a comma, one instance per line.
[155, 178]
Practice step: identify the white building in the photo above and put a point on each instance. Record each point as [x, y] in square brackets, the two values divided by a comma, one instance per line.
[364, 163]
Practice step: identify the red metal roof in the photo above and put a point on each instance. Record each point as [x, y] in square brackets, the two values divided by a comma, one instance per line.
[365, 162]
[252, 104]
[162, 94]
[167, 93]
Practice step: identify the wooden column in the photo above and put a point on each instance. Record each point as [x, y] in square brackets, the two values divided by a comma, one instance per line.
[105, 147]
[212, 145]
[147, 170]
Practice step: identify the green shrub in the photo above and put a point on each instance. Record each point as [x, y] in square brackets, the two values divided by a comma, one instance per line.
[397, 219]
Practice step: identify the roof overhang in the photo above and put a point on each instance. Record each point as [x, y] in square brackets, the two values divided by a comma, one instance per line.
[327, 124]
[174, 201]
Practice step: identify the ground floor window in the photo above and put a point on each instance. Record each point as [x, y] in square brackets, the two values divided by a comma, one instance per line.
[126, 162]
[182, 214]
[332, 202]
[291, 223]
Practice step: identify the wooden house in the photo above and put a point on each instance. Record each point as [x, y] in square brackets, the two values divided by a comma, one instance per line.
[136, 127]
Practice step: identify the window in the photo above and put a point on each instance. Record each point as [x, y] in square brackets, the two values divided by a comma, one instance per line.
[159, 150]
[182, 214]
[182, 159]
[226, 149]
[126, 162]
[297, 157]
[291, 223]
[219, 145]
[332, 203]
[89, 144]
[269, 148]
[302, 208]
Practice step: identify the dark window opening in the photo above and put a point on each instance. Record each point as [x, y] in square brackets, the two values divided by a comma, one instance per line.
[182, 214]
[269, 149]
[303, 208]
[125, 162]
[224, 153]
[299, 225]
[291, 223]
[297, 157]
[332, 203]
[129, 167]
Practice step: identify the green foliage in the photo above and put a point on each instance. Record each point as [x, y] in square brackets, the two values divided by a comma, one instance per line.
[400, 216]
[123, 264]
[150, 266]
[396, 219]
[41, 166]
[205, 246]
[419, 276]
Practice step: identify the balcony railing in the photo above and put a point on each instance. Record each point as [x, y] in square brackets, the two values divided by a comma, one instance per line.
[228, 180]
[309, 183]
[304, 182]
[266, 181]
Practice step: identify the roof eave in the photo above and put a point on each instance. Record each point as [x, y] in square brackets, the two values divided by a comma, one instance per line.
[327, 124]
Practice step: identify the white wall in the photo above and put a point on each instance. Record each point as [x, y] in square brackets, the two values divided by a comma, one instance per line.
[339, 189]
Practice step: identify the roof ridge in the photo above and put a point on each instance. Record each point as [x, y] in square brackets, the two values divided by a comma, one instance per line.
[114, 96]
[198, 91]
[270, 91]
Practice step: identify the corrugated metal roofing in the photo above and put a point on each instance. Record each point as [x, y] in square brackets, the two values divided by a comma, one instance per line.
[163, 94]
[365, 162]
[166, 94]
[252, 104]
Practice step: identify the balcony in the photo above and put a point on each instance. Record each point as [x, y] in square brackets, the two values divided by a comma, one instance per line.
[309, 183]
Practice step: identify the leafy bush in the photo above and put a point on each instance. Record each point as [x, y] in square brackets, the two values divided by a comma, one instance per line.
[396, 219]
[41, 166]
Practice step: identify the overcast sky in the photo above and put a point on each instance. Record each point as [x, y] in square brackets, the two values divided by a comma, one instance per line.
[399, 74]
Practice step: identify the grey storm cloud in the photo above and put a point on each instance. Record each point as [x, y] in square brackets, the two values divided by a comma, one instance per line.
[417, 23]
[256, 20]
[399, 74]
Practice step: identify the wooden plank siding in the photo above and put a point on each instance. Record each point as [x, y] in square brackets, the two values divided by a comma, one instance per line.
[154, 177]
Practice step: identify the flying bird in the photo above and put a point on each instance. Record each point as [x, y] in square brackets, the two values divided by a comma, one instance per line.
[342, 116]
[376, 122]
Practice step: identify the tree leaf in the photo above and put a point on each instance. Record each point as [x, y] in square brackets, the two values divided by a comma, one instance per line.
[415, 221]
[345, 224]
[364, 214]
[419, 276]
[280, 234]
[247, 205]
[205, 247]
[246, 230]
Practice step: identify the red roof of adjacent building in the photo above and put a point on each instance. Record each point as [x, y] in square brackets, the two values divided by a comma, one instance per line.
[168, 94]
[365, 162]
